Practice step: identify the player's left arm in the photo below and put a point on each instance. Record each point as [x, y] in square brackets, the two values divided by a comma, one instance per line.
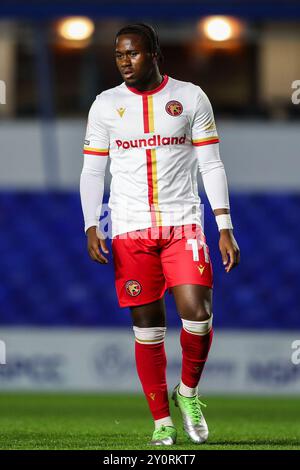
[206, 143]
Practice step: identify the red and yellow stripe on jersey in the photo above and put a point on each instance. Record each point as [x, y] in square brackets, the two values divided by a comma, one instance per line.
[148, 113]
[205, 141]
[148, 117]
[95, 151]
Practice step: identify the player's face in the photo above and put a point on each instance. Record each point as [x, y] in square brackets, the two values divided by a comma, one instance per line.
[134, 61]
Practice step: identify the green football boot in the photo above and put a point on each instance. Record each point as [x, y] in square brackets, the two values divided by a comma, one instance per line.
[194, 422]
[164, 436]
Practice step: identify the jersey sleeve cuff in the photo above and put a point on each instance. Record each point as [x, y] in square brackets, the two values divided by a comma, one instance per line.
[95, 151]
[205, 141]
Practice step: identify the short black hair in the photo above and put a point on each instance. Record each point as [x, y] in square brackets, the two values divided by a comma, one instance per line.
[149, 34]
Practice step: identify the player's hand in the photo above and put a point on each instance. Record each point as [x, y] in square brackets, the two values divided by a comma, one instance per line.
[229, 250]
[96, 244]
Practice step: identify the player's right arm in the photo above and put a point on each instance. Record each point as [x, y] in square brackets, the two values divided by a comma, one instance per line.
[96, 151]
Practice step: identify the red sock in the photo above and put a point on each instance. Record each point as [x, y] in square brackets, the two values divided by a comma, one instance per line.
[151, 364]
[195, 350]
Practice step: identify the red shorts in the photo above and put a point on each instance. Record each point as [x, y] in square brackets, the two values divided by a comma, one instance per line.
[149, 261]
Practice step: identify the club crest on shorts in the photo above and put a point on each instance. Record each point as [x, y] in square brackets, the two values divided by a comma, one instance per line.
[133, 288]
[174, 108]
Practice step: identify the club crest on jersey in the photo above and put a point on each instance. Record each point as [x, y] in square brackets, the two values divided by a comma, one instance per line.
[121, 111]
[133, 288]
[174, 108]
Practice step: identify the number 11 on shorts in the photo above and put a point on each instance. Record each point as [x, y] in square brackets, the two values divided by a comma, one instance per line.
[194, 244]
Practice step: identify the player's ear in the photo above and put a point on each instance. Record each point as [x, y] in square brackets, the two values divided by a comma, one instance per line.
[154, 57]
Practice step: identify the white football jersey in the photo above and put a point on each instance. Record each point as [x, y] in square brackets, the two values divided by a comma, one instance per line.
[153, 139]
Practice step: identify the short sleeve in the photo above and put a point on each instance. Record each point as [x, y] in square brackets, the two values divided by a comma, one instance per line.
[204, 131]
[97, 137]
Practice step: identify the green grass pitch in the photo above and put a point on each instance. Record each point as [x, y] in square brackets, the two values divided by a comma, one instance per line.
[108, 422]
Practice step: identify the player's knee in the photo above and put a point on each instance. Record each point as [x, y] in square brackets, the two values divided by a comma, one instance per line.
[197, 313]
[201, 327]
[152, 335]
[202, 314]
